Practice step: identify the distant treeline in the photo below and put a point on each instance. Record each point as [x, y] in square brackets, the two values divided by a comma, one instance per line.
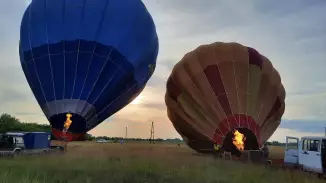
[9, 123]
[276, 143]
[116, 139]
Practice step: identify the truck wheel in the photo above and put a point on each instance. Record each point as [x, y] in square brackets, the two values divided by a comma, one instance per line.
[17, 153]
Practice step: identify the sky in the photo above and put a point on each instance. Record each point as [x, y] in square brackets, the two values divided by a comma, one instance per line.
[292, 34]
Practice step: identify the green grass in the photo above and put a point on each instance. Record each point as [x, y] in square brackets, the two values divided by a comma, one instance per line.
[138, 164]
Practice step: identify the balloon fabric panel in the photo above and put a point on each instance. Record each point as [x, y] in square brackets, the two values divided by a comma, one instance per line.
[241, 70]
[201, 84]
[214, 78]
[253, 86]
[263, 87]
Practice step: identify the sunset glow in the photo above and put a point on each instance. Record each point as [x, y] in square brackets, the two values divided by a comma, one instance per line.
[137, 100]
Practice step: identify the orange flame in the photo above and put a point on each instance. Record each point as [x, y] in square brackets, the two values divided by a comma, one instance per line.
[67, 122]
[238, 140]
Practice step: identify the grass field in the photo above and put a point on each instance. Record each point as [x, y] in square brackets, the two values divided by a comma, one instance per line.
[140, 163]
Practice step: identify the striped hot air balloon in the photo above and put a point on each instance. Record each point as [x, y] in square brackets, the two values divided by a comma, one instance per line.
[222, 87]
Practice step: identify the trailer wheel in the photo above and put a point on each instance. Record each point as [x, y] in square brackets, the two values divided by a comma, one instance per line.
[268, 163]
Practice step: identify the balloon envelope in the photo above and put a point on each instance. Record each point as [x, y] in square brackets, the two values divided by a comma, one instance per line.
[220, 87]
[87, 58]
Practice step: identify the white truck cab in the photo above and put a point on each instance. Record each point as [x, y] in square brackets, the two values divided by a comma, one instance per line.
[308, 153]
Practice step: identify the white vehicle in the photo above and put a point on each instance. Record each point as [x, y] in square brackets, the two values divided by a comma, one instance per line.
[101, 141]
[309, 153]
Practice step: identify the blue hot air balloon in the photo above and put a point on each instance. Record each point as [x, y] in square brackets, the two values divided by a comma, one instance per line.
[89, 58]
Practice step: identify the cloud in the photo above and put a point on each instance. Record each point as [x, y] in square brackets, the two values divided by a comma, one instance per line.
[281, 133]
[156, 81]
[158, 106]
[292, 35]
[138, 122]
[310, 126]
[306, 106]
[116, 128]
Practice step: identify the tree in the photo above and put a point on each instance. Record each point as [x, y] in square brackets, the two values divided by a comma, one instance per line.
[89, 137]
[9, 123]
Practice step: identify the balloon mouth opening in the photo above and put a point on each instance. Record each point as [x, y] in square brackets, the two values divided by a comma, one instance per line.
[238, 140]
[59, 135]
[77, 126]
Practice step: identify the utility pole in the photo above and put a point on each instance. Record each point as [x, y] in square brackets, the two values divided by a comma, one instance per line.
[126, 133]
[151, 139]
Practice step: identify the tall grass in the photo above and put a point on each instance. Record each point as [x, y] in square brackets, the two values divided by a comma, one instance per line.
[133, 164]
